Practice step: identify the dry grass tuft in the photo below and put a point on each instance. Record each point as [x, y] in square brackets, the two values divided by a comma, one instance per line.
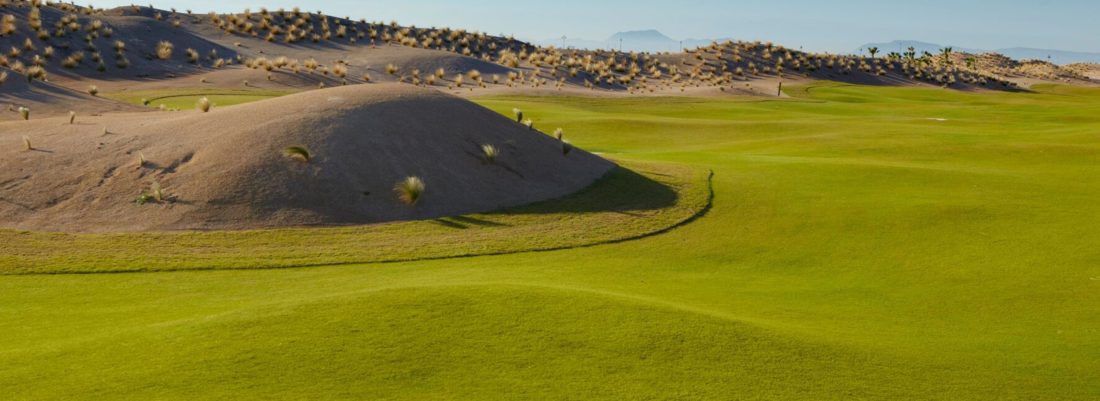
[164, 50]
[299, 153]
[204, 104]
[410, 190]
[155, 193]
[489, 153]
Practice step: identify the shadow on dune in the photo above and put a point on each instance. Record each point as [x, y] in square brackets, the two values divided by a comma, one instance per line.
[620, 190]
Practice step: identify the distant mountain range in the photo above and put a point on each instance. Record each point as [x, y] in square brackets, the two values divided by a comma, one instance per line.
[1018, 53]
[640, 41]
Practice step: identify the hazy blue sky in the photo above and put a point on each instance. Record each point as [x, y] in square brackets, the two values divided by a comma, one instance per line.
[837, 25]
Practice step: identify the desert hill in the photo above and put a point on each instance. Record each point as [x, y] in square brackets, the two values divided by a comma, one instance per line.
[226, 169]
[139, 47]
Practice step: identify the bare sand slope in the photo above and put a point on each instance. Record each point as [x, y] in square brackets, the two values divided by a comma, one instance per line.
[45, 98]
[226, 169]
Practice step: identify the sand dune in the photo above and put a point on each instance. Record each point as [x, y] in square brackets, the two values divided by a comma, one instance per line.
[226, 169]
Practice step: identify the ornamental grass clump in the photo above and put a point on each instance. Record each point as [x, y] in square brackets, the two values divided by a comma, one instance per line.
[410, 190]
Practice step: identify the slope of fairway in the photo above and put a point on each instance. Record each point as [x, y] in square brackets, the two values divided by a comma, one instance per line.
[863, 243]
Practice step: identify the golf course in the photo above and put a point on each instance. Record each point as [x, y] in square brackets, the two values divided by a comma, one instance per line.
[840, 242]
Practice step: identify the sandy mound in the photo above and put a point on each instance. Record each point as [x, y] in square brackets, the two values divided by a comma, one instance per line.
[226, 169]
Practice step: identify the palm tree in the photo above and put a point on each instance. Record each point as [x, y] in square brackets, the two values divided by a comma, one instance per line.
[945, 56]
[911, 54]
[873, 50]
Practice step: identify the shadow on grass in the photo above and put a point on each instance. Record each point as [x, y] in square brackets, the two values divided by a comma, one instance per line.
[464, 222]
[620, 190]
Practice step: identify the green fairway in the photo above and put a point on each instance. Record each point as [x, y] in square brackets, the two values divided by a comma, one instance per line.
[863, 243]
[186, 99]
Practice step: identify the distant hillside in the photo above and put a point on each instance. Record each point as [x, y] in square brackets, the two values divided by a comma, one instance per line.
[1056, 56]
[1019, 53]
[901, 46]
[649, 40]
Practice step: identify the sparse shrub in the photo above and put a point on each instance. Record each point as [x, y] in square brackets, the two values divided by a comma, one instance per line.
[93, 90]
[489, 153]
[70, 62]
[155, 193]
[299, 153]
[391, 69]
[204, 104]
[164, 50]
[36, 72]
[410, 190]
[340, 70]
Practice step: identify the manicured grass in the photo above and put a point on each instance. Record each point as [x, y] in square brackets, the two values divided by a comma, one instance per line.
[185, 99]
[627, 203]
[863, 243]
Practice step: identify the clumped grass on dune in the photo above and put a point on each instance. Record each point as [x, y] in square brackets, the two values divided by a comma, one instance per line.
[622, 205]
[410, 190]
[489, 153]
[203, 104]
